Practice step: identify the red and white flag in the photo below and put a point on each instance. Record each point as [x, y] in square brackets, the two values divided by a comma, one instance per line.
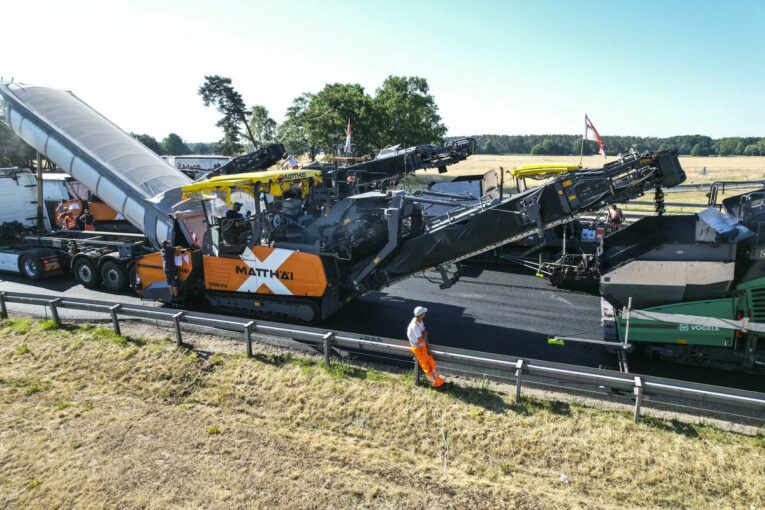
[347, 147]
[590, 133]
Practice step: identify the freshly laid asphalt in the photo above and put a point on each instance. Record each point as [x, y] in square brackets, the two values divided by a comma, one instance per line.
[492, 309]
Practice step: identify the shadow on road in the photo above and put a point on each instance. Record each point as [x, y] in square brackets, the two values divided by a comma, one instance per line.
[379, 314]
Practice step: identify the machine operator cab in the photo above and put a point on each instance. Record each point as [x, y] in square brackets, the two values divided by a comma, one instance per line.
[254, 209]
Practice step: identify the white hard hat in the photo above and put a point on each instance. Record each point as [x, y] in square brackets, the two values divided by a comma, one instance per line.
[420, 310]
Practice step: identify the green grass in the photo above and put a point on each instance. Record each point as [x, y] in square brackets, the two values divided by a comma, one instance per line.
[48, 325]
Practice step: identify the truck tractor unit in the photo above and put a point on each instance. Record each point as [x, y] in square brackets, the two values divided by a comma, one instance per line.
[690, 288]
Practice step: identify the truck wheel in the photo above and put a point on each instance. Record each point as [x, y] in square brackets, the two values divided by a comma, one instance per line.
[31, 267]
[85, 273]
[113, 276]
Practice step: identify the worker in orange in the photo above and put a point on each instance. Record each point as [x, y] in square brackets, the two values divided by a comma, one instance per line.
[69, 222]
[88, 221]
[418, 339]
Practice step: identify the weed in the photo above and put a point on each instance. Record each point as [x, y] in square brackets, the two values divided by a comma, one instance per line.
[213, 430]
[61, 405]
[376, 375]
[305, 362]
[99, 333]
[88, 405]
[483, 384]
[215, 360]
[470, 470]
[22, 349]
[35, 388]
[477, 412]
[33, 484]
[19, 326]
[129, 353]
[505, 468]
[341, 370]
[48, 325]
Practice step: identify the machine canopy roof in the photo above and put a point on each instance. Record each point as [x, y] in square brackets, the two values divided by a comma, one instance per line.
[273, 182]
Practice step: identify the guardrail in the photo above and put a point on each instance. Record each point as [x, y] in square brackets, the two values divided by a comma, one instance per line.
[705, 186]
[451, 360]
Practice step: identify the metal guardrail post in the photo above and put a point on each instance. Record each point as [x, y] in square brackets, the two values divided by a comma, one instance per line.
[3, 309]
[328, 338]
[177, 324]
[115, 319]
[53, 303]
[638, 397]
[248, 337]
[518, 379]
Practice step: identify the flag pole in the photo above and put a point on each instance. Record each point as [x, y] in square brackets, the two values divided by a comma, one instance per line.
[581, 146]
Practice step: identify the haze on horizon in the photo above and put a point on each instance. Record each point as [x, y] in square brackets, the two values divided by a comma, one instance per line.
[502, 67]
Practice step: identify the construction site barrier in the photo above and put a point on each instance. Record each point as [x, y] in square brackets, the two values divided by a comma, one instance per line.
[639, 390]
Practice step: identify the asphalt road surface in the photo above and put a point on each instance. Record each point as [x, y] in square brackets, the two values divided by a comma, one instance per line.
[492, 309]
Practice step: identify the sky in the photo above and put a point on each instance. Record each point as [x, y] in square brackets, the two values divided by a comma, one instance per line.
[648, 68]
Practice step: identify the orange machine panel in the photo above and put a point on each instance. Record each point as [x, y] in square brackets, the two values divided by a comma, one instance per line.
[149, 267]
[265, 270]
[101, 211]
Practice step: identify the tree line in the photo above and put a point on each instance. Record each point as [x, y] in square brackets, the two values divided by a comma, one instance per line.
[401, 111]
[562, 145]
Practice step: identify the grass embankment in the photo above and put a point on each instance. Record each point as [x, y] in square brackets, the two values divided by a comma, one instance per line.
[91, 420]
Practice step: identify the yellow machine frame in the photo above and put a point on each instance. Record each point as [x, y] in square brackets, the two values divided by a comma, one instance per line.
[273, 182]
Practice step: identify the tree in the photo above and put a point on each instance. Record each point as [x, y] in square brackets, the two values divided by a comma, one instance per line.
[588, 147]
[13, 150]
[150, 142]
[488, 147]
[203, 148]
[262, 126]
[218, 91]
[752, 150]
[330, 110]
[174, 146]
[230, 145]
[537, 150]
[409, 114]
[293, 132]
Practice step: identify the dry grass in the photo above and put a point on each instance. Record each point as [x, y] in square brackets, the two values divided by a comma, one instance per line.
[90, 420]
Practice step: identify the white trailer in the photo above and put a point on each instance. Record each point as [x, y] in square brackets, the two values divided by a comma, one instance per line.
[195, 166]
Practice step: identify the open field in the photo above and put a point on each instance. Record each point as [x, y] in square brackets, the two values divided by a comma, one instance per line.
[91, 420]
[729, 168]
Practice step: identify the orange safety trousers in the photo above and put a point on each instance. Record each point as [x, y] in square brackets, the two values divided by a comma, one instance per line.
[428, 365]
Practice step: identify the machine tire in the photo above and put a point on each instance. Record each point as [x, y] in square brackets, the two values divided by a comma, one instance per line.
[31, 267]
[85, 272]
[113, 276]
